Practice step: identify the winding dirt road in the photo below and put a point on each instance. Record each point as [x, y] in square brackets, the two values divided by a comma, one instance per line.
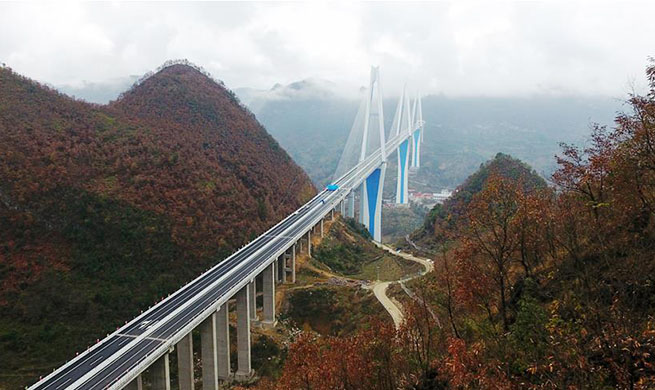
[380, 288]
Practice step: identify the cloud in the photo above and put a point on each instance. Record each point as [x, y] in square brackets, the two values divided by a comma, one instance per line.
[458, 49]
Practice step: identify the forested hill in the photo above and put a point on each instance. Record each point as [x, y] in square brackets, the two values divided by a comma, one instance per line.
[104, 209]
[443, 218]
[229, 174]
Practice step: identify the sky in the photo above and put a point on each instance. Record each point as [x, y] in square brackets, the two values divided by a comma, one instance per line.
[459, 49]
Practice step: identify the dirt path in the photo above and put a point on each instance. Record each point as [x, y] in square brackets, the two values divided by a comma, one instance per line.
[380, 288]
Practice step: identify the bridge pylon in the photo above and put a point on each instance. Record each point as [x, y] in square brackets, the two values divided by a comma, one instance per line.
[417, 134]
[402, 125]
[370, 200]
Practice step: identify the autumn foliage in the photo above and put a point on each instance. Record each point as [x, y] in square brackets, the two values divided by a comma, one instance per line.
[105, 209]
[539, 287]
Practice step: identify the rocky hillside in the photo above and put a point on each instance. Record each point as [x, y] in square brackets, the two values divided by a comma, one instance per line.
[104, 209]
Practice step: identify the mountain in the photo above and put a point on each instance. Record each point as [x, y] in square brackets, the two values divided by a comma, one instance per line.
[447, 215]
[105, 209]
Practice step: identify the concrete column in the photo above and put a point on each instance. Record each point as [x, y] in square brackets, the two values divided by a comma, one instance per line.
[253, 299]
[293, 264]
[276, 274]
[268, 289]
[161, 374]
[244, 369]
[332, 215]
[282, 268]
[300, 245]
[136, 384]
[223, 341]
[321, 228]
[185, 362]
[309, 243]
[351, 204]
[208, 341]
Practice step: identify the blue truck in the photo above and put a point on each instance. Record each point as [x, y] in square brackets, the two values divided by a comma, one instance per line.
[332, 187]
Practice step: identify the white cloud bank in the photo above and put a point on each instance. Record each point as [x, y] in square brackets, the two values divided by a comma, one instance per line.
[458, 49]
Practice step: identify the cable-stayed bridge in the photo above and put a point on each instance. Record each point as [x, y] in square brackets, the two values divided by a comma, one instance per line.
[145, 343]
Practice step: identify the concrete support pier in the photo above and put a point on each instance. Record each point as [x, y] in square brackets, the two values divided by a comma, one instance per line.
[351, 204]
[309, 243]
[223, 341]
[185, 363]
[136, 384]
[208, 353]
[276, 274]
[244, 369]
[253, 300]
[161, 374]
[268, 290]
[293, 264]
[321, 228]
[282, 268]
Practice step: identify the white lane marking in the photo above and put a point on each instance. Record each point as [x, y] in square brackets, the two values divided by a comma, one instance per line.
[63, 384]
[93, 363]
[146, 338]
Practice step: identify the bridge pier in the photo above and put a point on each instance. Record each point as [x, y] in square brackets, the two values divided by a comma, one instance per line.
[185, 362]
[402, 190]
[268, 290]
[244, 369]
[253, 299]
[209, 353]
[351, 204]
[282, 268]
[416, 148]
[322, 227]
[372, 202]
[363, 216]
[223, 341]
[293, 263]
[276, 272]
[161, 374]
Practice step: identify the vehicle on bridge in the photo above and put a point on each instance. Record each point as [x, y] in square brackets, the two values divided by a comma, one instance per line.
[332, 187]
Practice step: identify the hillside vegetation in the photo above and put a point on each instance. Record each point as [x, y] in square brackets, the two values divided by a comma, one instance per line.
[347, 250]
[534, 287]
[444, 217]
[105, 209]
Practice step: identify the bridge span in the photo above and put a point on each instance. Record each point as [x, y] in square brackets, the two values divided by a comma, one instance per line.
[118, 361]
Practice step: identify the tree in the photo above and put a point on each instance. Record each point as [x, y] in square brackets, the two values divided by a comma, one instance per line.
[492, 232]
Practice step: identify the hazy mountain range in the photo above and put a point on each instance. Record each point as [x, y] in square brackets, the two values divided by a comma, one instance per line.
[311, 121]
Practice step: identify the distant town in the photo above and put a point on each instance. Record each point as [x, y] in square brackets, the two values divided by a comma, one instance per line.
[427, 199]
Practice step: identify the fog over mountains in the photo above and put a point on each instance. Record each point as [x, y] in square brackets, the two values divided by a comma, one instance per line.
[311, 121]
